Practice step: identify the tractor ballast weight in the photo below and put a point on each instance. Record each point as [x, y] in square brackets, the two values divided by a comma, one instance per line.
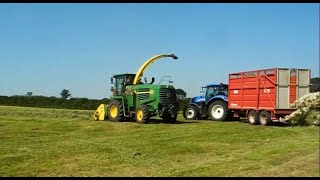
[131, 99]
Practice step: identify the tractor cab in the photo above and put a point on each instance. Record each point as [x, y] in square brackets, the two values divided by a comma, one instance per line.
[213, 90]
[120, 82]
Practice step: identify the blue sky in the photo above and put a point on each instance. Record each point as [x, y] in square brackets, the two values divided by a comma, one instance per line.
[45, 48]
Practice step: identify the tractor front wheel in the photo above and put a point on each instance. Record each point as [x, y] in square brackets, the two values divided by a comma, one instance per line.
[115, 111]
[142, 114]
[190, 112]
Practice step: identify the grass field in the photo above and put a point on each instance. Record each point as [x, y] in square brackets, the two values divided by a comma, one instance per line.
[49, 142]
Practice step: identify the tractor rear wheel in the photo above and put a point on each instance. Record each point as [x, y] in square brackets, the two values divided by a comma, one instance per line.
[115, 111]
[190, 112]
[142, 114]
[218, 110]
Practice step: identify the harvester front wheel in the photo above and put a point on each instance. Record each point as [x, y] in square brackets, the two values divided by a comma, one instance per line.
[115, 111]
[142, 114]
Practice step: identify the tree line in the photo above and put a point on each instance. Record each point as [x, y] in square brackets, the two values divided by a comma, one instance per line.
[66, 101]
[52, 102]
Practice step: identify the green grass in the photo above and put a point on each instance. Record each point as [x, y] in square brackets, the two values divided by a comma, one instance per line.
[50, 142]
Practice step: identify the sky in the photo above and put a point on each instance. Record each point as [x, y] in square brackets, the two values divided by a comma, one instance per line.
[45, 48]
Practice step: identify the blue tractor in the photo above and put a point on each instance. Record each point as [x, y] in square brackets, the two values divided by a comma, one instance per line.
[213, 104]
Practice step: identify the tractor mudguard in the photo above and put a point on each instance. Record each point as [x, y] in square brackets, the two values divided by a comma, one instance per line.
[194, 104]
[218, 97]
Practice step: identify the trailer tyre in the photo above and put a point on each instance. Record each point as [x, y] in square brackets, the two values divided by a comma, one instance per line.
[253, 117]
[142, 114]
[115, 111]
[265, 118]
[190, 112]
[218, 110]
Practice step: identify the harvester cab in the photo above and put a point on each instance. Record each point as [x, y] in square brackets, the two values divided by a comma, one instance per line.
[132, 99]
[213, 103]
[120, 81]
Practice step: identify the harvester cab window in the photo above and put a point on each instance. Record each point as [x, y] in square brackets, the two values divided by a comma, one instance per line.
[119, 84]
[129, 79]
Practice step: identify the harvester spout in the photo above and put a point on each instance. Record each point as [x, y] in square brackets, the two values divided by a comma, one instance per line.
[139, 74]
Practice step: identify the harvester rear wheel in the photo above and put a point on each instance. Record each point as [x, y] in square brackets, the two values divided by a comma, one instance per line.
[173, 120]
[169, 119]
[142, 114]
[115, 111]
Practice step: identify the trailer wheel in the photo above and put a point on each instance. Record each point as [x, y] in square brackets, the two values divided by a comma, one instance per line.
[265, 118]
[190, 112]
[142, 114]
[115, 111]
[253, 117]
[218, 110]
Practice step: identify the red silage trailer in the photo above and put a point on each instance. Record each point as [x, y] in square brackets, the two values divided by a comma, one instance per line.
[266, 95]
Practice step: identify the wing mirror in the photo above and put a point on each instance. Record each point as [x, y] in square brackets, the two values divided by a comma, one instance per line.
[152, 80]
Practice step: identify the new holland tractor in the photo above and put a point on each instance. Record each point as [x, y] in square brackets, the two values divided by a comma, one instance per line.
[133, 99]
[213, 104]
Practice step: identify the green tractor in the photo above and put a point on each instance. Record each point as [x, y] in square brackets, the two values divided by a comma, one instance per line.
[132, 99]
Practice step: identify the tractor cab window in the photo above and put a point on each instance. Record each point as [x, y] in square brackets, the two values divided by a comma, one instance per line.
[216, 90]
[211, 91]
[223, 90]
